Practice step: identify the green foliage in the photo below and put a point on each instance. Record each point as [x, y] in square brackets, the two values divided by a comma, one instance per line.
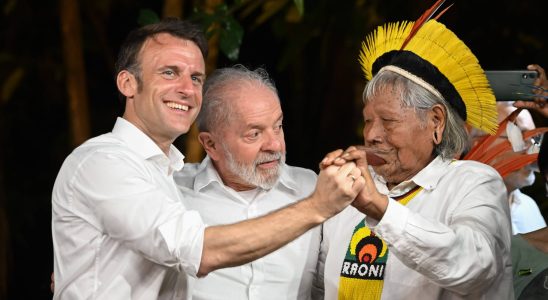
[231, 37]
[300, 6]
[147, 16]
[224, 23]
[221, 22]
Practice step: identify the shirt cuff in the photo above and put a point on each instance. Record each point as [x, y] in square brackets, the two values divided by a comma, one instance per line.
[392, 224]
[185, 238]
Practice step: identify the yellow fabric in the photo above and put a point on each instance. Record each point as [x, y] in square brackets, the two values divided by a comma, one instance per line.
[369, 287]
[443, 49]
[357, 289]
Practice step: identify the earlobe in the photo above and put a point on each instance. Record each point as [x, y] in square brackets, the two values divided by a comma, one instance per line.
[438, 118]
[437, 139]
[127, 84]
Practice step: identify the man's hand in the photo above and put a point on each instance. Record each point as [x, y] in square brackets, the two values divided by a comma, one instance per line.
[542, 90]
[369, 200]
[339, 157]
[336, 188]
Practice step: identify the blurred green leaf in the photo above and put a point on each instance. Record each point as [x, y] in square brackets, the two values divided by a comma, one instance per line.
[231, 36]
[300, 6]
[221, 9]
[147, 16]
[205, 20]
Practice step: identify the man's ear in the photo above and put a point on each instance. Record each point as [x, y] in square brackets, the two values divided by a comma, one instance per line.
[437, 117]
[209, 144]
[127, 83]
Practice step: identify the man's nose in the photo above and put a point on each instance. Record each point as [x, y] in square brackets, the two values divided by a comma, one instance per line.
[185, 86]
[273, 142]
[373, 132]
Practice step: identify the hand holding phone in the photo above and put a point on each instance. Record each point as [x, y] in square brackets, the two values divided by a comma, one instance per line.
[540, 104]
[513, 85]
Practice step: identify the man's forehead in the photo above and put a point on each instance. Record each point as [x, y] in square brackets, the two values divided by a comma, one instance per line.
[163, 38]
[157, 41]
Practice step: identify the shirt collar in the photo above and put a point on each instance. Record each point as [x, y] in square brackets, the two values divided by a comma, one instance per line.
[514, 197]
[428, 178]
[207, 174]
[144, 146]
[287, 180]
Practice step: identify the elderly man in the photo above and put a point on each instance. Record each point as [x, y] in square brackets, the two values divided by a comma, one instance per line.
[426, 226]
[243, 176]
[119, 228]
[524, 211]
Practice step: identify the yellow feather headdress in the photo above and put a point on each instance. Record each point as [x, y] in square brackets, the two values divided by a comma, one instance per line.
[436, 55]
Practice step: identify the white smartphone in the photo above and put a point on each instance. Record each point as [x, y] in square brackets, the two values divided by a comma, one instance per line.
[512, 85]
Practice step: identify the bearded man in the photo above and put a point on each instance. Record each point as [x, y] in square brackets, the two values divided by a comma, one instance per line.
[244, 176]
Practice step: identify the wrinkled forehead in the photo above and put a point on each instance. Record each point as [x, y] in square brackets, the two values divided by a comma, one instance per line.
[376, 89]
[250, 101]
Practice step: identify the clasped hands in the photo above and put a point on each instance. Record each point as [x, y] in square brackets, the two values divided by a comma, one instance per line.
[368, 200]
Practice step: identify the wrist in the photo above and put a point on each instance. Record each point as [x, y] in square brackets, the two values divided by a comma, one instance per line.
[317, 213]
[376, 208]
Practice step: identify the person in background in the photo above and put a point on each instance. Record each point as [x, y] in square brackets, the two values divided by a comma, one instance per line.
[525, 213]
[530, 251]
[244, 175]
[530, 268]
[119, 228]
[426, 226]
[515, 154]
[539, 238]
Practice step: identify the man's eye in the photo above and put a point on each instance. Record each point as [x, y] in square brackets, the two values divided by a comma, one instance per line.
[197, 79]
[253, 134]
[278, 128]
[168, 73]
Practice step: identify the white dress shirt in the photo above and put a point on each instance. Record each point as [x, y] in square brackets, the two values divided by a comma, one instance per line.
[287, 273]
[526, 216]
[451, 241]
[119, 228]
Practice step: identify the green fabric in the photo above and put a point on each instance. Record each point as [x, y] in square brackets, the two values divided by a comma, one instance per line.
[527, 263]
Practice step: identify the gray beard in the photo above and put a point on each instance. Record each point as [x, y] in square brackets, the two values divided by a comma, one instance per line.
[251, 174]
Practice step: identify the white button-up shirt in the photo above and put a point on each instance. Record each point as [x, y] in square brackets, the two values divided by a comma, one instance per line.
[451, 241]
[119, 228]
[287, 273]
[525, 213]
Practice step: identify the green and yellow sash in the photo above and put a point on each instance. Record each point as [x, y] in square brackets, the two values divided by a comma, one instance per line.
[362, 273]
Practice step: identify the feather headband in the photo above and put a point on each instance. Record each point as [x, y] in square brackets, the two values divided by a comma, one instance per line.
[435, 55]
